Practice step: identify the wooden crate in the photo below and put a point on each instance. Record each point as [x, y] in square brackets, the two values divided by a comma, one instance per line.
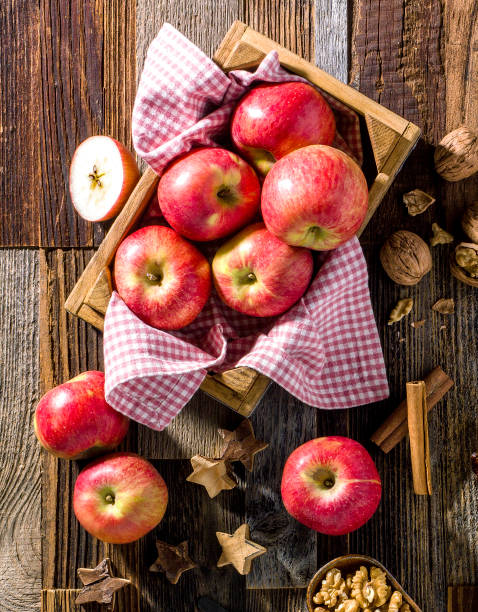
[392, 139]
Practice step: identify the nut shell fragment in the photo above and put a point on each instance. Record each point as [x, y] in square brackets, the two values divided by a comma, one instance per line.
[417, 201]
[406, 258]
[440, 236]
[444, 306]
[456, 156]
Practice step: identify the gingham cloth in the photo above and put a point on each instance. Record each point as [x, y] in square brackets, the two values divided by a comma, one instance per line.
[325, 350]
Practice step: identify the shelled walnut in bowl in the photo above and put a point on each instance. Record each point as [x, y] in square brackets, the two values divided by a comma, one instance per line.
[356, 583]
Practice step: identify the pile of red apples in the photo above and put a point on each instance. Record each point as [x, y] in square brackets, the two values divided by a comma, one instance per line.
[279, 192]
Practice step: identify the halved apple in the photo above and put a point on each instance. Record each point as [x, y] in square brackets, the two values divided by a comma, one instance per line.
[103, 173]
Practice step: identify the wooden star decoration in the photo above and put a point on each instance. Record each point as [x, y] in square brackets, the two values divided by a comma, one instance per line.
[172, 560]
[213, 474]
[238, 549]
[99, 585]
[241, 444]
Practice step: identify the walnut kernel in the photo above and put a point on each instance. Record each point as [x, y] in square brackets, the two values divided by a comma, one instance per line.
[417, 201]
[406, 258]
[440, 236]
[466, 256]
[333, 589]
[395, 602]
[456, 156]
[402, 308]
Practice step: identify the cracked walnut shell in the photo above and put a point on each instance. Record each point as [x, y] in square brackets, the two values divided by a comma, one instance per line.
[417, 201]
[406, 258]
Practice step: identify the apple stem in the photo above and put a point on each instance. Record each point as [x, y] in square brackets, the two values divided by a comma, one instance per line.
[227, 195]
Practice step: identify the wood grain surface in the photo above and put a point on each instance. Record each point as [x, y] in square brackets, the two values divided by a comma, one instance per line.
[20, 497]
[419, 59]
[80, 60]
[402, 57]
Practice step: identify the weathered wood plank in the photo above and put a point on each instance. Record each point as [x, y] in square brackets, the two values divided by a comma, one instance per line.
[273, 600]
[193, 516]
[332, 37]
[19, 120]
[20, 499]
[80, 62]
[203, 22]
[69, 346]
[402, 58]
[292, 549]
[72, 108]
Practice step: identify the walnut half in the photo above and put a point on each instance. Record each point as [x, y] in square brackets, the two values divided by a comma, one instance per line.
[464, 263]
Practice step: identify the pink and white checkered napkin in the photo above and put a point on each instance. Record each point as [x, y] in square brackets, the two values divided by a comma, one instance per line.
[325, 350]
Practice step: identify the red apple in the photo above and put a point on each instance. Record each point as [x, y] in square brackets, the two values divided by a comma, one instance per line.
[119, 498]
[208, 193]
[331, 485]
[74, 421]
[152, 214]
[103, 173]
[270, 121]
[258, 274]
[315, 197]
[162, 278]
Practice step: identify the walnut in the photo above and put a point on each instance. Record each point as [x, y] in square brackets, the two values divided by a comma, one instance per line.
[417, 201]
[464, 263]
[406, 258]
[405, 608]
[444, 306]
[469, 221]
[440, 236]
[456, 156]
[373, 592]
[333, 590]
[402, 308]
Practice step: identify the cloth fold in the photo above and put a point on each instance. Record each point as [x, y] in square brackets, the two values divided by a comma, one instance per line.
[325, 350]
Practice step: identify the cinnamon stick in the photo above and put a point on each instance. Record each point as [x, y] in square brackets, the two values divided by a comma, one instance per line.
[395, 428]
[419, 444]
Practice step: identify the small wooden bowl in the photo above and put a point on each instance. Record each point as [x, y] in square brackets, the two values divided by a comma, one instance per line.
[347, 564]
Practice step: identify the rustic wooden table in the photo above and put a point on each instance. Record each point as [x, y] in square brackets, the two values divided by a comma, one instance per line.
[68, 70]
